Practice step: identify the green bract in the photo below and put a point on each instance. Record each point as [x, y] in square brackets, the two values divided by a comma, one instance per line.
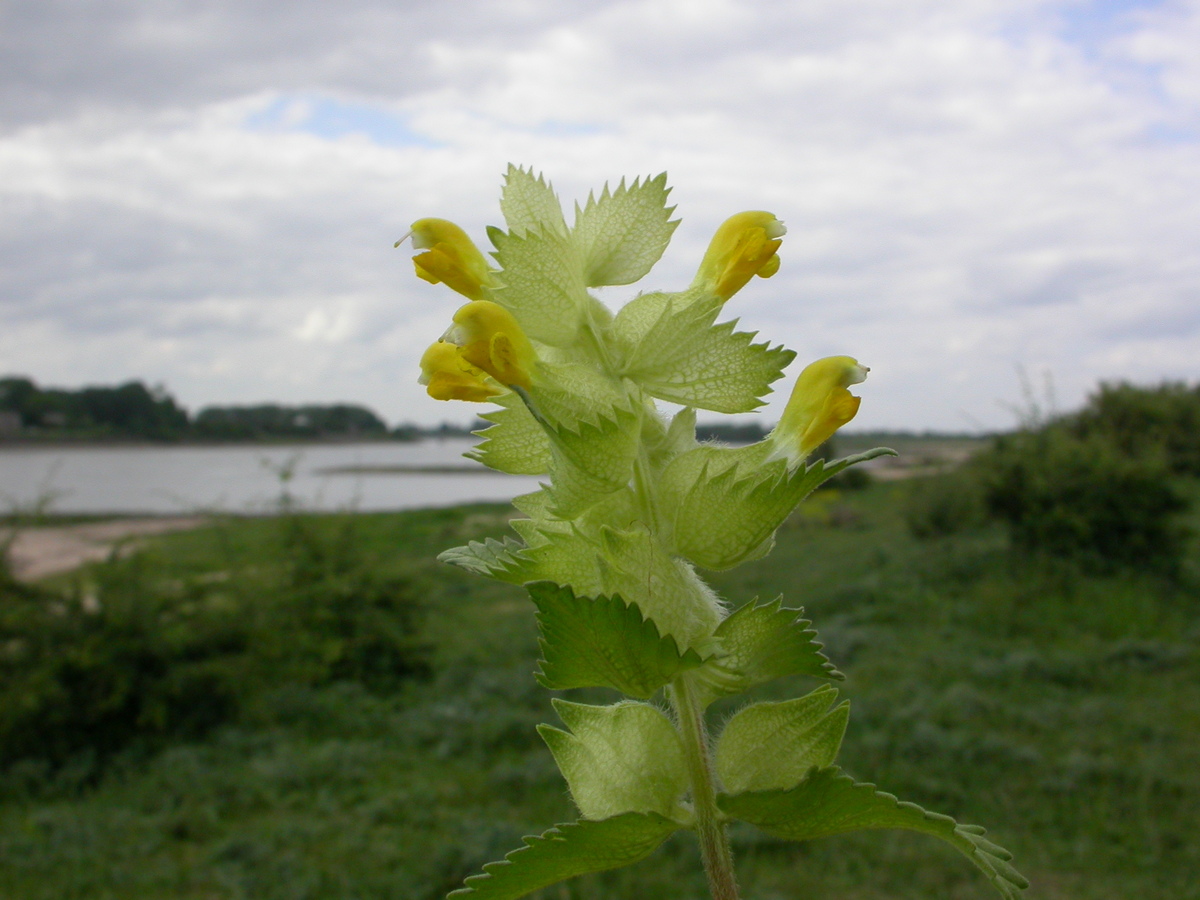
[632, 506]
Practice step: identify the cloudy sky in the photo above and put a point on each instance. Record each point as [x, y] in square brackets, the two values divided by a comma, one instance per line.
[204, 194]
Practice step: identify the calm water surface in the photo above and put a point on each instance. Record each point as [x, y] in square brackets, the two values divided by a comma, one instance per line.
[244, 479]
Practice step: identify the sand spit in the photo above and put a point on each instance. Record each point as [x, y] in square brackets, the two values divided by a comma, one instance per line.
[41, 551]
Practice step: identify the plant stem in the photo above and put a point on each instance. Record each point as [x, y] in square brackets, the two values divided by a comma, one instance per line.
[714, 841]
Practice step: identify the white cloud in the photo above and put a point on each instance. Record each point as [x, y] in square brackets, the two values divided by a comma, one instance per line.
[969, 187]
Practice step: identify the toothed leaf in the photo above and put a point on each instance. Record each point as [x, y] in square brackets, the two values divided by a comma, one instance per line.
[530, 204]
[726, 503]
[768, 746]
[541, 284]
[762, 643]
[592, 462]
[569, 394]
[634, 565]
[493, 558]
[676, 353]
[603, 642]
[515, 442]
[622, 234]
[569, 850]
[621, 758]
[828, 802]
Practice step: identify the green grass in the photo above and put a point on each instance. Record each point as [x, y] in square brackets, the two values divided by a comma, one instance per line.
[1061, 711]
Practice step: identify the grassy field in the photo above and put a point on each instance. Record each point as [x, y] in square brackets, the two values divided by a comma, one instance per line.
[1061, 711]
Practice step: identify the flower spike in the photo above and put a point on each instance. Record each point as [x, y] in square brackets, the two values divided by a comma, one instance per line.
[489, 338]
[447, 376]
[744, 246]
[820, 404]
[632, 507]
[450, 257]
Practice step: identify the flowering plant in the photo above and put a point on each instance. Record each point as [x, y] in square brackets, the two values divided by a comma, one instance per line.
[609, 548]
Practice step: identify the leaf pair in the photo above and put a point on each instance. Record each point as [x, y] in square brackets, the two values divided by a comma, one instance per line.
[546, 268]
[606, 642]
[827, 802]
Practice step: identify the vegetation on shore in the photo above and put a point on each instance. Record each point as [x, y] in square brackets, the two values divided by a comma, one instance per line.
[1074, 725]
[361, 748]
[135, 412]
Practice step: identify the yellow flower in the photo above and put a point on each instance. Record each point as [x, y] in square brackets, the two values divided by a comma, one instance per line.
[490, 339]
[449, 257]
[447, 376]
[819, 406]
[744, 246]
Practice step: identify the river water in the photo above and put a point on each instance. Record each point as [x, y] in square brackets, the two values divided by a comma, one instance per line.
[247, 478]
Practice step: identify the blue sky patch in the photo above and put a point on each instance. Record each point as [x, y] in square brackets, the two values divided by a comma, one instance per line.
[330, 118]
[1091, 23]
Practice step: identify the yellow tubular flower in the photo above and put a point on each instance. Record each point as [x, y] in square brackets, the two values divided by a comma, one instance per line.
[490, 339]
[744, 246]
[447, 376]
[449, 257]
[819, 406]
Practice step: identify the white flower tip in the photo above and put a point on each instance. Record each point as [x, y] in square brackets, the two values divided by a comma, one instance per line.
[454, 335]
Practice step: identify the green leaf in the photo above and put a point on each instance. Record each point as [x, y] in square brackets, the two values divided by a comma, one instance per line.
[722, 370]
[675, 353]
[593, 429]
[569, 850]
[530, 204]
[541, 284]
[558, 552]
[634, 565]
[726, 503]
[643, 314]
[603, 642]
[618, 759]
[762, 643]
[493, 558]
[769, 746]
[592, 461]
[569, 394]
[829, 802]
[516, 443]
[623, 234]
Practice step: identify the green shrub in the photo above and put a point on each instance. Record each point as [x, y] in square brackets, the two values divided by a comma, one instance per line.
[146, 654]
[944, 504]
[1140, 420]
[1084, 499]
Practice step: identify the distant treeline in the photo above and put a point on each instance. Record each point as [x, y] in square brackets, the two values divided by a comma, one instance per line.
[135, 411]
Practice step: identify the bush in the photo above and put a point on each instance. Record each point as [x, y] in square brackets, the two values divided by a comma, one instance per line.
[942, 505]
[1140, 421]
[145, 656]
[1084, 498]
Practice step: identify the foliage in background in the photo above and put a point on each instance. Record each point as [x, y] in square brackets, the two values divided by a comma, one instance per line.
[271, 420]
[1064, 496]
[128, 410]
[140, 653]
[133, 411]
[1062, 702]
[1146, 421]
[1100, 488]
[944, 504]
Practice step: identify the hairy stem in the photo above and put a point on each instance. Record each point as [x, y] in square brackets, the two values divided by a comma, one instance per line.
[714, 841]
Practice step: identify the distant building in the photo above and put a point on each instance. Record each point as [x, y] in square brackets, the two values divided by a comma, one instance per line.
[10, 422]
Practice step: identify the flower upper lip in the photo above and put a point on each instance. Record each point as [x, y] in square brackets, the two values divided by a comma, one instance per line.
[743, 246]
[450, 257]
